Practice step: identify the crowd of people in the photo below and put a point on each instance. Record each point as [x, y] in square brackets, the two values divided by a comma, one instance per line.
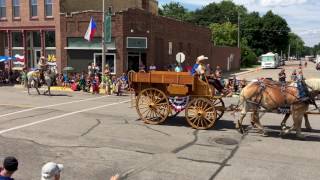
[49, 171]
[8, 77]
[93, 81]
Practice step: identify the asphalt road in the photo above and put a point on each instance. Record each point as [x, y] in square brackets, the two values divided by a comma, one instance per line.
[98, 136]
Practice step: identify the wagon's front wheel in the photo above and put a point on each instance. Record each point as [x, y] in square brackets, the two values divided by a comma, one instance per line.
[152, 106]
[201, 113]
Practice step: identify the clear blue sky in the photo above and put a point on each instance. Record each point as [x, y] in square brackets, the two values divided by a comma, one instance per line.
[303, 16]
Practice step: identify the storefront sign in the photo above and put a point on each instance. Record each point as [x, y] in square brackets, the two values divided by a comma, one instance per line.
[52, 61]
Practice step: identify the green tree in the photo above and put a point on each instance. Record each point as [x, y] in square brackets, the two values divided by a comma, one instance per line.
[175, 10]
[296, 44]
[275, 33]
[250, 27]
[224, 34]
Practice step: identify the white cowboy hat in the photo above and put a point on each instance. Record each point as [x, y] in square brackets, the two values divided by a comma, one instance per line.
[201, 58]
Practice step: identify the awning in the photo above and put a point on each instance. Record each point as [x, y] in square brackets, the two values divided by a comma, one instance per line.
[6, 58]
[78, 43]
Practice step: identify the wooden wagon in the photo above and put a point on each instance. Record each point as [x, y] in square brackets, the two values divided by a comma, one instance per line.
[157, 91]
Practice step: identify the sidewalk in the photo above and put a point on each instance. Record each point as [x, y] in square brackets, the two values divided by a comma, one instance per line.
[241, 71]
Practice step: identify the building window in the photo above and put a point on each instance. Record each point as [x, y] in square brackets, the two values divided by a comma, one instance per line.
[2, 8]
[16, 8]
[48, 8]
[36, 39]
[50, 39]
[17, 39]
[34, 8]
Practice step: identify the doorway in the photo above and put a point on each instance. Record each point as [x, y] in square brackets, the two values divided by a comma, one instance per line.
[135, 60]
[37, 55]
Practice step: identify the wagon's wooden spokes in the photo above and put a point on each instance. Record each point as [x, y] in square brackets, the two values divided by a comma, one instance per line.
[219, 106]
[201, 113]
[152, 106]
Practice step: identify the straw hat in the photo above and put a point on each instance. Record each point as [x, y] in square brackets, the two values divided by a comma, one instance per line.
[201, 58]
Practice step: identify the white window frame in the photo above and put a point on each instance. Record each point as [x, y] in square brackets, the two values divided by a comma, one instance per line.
[137, 38]
[114, 60]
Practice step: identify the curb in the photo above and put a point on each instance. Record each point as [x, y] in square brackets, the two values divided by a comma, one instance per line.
[246, 72]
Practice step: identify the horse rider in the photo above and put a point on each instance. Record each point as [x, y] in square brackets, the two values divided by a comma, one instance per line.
[302, 87]
[42, 65]
[282, 76]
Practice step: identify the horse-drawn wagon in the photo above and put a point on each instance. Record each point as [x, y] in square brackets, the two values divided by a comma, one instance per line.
[160, 94]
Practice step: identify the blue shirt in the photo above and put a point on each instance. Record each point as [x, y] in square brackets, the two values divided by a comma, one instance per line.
[5, 178]
[193, 71]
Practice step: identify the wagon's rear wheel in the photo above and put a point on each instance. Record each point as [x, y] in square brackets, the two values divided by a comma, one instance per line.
[152, 106]
[219, 106]
[201, 113]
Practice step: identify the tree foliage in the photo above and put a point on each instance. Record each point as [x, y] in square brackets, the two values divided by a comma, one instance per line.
[296, 44]
[175, 10]
[258, 34]
[224, 34]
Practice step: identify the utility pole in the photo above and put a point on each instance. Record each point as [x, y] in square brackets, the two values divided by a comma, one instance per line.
[289, 52]
[103, 63]
[238, 29]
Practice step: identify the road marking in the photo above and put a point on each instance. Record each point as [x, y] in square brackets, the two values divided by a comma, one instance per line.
[60, 116]
[52, 105]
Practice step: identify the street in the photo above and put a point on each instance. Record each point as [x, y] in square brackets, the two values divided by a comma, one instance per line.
[95, 137]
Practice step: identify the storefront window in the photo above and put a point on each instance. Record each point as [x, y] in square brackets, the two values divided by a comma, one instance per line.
[48, 8]
[17, 39]
[50, 39]
[2, 8]
[16, 8]
[36, 39]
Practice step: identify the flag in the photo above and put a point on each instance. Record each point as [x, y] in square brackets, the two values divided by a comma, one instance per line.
[92, 28]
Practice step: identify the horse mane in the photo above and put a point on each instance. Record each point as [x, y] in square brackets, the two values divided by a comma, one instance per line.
[314, 84]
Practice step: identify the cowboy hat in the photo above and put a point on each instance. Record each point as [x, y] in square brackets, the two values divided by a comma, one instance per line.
[201, 58]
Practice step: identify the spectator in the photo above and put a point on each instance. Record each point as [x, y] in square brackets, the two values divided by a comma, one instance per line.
[294, 76]
[142, 67]
[10, 165]
[178, 68]
[152, 67]
[59, 80]
[208, 70]
[188, 68]
[51, 171]
[95, 84]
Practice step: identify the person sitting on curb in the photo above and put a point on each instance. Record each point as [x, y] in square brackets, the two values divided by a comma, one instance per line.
[51, 171]
[10, 165]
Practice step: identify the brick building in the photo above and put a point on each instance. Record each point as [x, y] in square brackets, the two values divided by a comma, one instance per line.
[139, 36]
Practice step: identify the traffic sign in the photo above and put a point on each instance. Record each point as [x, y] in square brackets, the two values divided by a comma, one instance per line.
[180, 57]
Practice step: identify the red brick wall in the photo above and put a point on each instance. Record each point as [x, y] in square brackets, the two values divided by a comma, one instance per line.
[220, 57]
[25, 20]
[188, 38]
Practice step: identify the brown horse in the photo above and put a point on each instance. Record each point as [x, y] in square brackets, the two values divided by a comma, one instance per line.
[270, 96]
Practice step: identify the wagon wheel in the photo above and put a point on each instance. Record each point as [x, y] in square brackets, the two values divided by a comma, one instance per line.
[152, 106]
[220, 107]
[201, 113]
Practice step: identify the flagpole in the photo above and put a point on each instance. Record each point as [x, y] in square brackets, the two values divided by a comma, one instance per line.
[103, 36]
